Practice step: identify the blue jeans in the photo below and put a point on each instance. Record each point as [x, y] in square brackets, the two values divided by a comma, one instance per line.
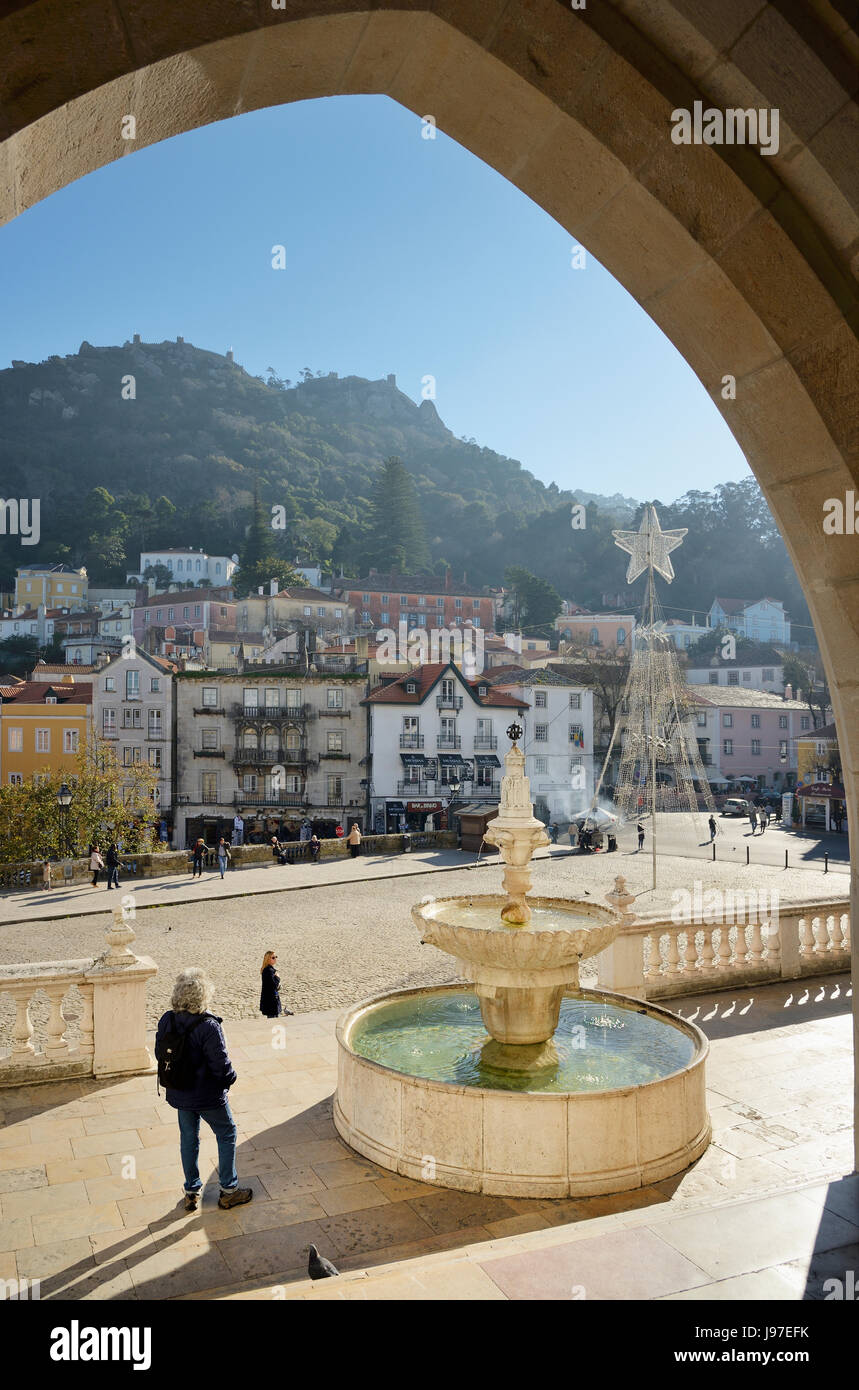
[113, 876]
[220, 1121]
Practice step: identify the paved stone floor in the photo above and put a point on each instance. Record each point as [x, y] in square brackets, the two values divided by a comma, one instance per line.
[90, 1185]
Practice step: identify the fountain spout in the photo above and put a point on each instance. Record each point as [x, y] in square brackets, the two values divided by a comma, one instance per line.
[516, 833]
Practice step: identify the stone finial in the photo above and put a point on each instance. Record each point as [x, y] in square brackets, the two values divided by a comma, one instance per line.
[119, 935]
[622, 901]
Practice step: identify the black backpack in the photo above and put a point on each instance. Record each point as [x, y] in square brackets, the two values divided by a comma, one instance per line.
[176, 1069]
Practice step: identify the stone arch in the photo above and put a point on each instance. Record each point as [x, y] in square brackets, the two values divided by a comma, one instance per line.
[748, 263]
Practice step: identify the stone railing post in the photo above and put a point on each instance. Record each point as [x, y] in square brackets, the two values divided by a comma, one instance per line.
[118, 979]
[620, 966]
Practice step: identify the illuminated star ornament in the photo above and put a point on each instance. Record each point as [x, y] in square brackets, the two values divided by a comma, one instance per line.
[649, 546]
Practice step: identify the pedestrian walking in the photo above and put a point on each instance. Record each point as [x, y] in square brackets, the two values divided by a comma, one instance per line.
[95, 862]
[640, 836]
[713, 828]
[46, 876]
[238, 830]
[315, 847]
[763, 817]
[753, 819]
[353, 840]
[111, 860]
[195, 1069]
[269, 1000]
[198, 854]
[224, 856]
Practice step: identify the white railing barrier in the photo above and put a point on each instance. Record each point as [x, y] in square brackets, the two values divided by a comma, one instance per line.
[656, 959]
[111, 1025]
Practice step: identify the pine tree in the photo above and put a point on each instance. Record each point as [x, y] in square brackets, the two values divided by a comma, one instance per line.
[397, 537]
[259, 561]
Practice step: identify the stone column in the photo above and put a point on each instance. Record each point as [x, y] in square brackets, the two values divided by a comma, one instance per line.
[620, 966]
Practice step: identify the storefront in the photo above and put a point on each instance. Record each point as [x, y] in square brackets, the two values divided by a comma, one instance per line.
[822, 804]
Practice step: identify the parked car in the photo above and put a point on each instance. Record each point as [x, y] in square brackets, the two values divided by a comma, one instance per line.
[736, 806]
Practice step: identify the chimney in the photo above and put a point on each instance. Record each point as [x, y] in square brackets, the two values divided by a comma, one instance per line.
[361, 648]
[259, 590]
[230, 355]
[272, 587]
[136, 339]
[180, 340]
[788, 692]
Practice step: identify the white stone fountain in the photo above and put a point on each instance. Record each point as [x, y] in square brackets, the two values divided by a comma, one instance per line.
[612, 1098]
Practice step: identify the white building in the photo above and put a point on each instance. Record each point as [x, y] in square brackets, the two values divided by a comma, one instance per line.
[758, 668]
[132, 707]
[761, 620]
[430, 729]
[189, 567]
[558, 742]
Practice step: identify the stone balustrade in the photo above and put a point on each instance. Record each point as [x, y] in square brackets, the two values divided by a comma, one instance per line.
[660, 959]
[111, 1025]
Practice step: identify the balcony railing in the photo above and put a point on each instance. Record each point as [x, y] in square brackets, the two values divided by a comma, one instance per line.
[243, 754]
[449, 741]
[303, 712]
[411, 740]
[415, 789]
[208, 709]
[269, 799]
[485, 741]
[209, 753]
[448, 701]
[210, 799]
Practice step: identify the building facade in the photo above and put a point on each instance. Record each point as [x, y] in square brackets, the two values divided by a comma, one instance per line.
[188, 567]
[384, 600]
[761, 620]
[53, 586]
[43, 725]
[761, 668]
[430, 730]
[610, 631]
[747, 735]
[178, 623]
[273, 746]
[133, 711]
[558, 741]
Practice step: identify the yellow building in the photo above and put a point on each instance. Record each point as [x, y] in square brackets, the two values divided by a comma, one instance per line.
[42, 726]
[818, 770]
[55, 586]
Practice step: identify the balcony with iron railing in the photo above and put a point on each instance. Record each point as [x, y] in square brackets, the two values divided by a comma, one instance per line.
[448, 701]
[411, 740]
[485, 741]
[268, 757]
[415, 789]
[270, 798]
[448, 741]
[263, 712]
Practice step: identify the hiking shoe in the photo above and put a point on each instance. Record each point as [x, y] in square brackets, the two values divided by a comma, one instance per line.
[190, 1201]
[236, 1198]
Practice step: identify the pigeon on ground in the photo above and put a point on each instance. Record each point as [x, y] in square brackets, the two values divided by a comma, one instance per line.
[318, 1267]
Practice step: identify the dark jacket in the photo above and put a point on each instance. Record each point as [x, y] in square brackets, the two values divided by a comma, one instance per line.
[269, 999]
[214, 1073]
[111, 859]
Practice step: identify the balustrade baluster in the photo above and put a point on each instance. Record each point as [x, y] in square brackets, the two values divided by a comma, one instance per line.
[724, 948]
[690, 954]
[654, 960]
[672, 954]
[707, 955]
[740, 952]
[756, 945]
[56, 1046]
[86, 1031]
[820, 935]
[806, 939]
[23, 1051]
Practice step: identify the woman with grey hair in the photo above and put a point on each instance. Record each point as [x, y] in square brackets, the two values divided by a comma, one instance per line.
[196, 1071]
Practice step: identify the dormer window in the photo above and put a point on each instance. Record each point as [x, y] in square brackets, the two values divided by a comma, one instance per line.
[483, 690]
[411, 688]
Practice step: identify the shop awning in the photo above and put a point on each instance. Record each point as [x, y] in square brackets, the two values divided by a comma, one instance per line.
[413, 759]
[396, 808]
[486, 760]
[821, 791]
[451, 760]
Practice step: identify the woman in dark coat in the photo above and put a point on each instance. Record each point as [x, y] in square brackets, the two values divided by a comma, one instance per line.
[269, 999]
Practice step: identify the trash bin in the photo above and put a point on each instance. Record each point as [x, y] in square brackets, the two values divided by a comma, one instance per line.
[407, 842]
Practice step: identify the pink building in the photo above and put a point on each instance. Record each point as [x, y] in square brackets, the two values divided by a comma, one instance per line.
[747, 734]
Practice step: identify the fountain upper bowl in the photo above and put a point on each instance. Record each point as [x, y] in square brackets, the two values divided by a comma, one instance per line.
[561, 931]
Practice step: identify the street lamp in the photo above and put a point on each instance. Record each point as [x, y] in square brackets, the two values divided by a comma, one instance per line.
[64, 801]
[454, 788]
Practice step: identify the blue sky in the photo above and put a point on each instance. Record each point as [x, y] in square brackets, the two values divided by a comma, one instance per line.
[403, 255]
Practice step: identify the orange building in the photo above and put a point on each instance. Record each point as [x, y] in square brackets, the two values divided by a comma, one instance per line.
[42, 726]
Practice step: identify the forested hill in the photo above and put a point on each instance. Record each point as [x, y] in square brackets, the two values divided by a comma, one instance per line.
[164, 443]
[202, 433]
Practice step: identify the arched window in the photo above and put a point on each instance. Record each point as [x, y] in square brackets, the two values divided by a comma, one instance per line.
[217, 569]
[178, 565]
[271, 739]
[250, 739]
[198, 564]
[621, 636]
[595, 636]
[293, 739]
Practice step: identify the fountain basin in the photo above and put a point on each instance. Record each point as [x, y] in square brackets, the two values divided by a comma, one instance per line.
[509, 1133]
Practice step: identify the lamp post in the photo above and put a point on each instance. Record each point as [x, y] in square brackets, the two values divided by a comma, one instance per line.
[64, 801]
[454, 788]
